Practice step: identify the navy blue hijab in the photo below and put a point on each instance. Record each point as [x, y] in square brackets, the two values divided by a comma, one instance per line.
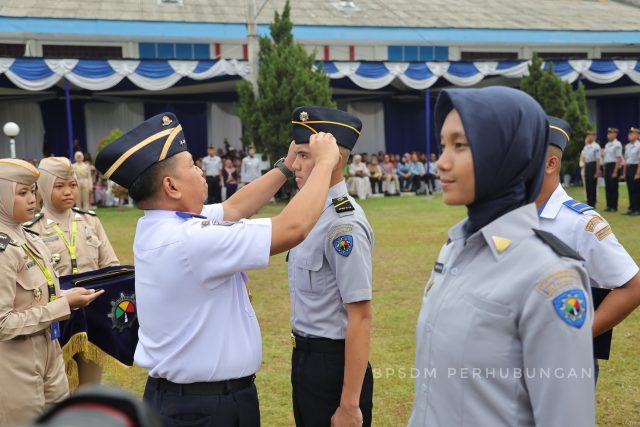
[507, 134]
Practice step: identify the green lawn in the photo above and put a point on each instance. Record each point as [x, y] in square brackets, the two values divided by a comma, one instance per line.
[409, 232]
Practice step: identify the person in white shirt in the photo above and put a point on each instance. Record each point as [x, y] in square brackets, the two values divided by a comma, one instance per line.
[250, 170]
[591, 155]
[212, 164]
[578, 225]
[612, 159]
[199, 337]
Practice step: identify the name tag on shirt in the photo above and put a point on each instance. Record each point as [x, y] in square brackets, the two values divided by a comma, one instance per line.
[55, 331]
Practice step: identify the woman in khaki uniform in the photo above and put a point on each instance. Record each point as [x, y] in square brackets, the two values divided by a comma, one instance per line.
[84, 180]
[31, 305]
[75, 237]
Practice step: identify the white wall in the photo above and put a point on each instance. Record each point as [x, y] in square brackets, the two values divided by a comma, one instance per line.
[31, 137]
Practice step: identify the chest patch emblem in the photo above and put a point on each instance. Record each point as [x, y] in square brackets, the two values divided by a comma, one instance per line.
[571, 306]
[343, 245]
[123, 311]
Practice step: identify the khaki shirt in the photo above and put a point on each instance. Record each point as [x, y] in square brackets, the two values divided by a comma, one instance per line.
[94, 251]
[24, 296]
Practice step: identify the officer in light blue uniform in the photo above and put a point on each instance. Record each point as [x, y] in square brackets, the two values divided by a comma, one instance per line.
[504, 334]
[614, 276]
[199, 337]
[330, 283]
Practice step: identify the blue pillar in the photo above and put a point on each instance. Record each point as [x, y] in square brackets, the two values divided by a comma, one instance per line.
[427, 109]
[67, 98]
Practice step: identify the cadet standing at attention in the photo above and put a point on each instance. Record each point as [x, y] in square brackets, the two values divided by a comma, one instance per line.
[199, 337]
[75, 237]
[31, 367]
[591, 155]
[504, 334]
[578, 225]
[612, 159]
[632, 171]
[330, 288]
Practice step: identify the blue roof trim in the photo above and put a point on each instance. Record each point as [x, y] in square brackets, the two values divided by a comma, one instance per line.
[154, 69]
[203, 30]
[93, 68]
[31, 69]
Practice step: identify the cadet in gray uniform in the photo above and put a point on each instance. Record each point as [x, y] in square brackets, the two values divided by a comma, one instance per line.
[612, 159]
[504, 334]
[632, 172]
[591, 155]
[330, 288]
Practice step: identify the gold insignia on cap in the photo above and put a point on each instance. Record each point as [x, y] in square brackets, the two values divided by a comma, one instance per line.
[166, 121]
[37, 294]
[304, 116]
[501, 243]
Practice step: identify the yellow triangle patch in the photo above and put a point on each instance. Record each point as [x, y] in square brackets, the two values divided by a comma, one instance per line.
[501, 243]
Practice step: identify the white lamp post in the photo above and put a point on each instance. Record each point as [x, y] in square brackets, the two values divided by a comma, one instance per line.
[11, 130]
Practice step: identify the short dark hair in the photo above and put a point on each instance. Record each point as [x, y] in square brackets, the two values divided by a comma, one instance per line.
[146, 186]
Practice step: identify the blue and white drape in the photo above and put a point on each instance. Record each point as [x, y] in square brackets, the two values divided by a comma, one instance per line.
[37, 74]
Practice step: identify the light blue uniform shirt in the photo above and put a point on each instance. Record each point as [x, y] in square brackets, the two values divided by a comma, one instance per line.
[196, 321]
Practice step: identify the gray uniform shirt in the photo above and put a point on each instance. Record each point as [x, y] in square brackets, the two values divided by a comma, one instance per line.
[504, 337]
[612, 151]
[591, 152]
[330, 268]
[632, 153]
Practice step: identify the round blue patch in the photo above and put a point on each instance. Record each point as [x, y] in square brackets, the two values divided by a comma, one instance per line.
[571, 306]
[343, 245]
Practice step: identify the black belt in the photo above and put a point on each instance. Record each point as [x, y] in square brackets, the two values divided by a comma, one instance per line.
[317, 345]
[204, 388]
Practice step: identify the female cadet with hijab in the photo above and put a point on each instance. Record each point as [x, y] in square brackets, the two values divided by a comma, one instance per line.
[504, 334]
[75, 237]
[31, 366]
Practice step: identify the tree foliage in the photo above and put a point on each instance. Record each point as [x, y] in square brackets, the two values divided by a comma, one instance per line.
[559, 99]
[286, 80]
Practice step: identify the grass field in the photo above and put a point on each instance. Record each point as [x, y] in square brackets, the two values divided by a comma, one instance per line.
[409, 232]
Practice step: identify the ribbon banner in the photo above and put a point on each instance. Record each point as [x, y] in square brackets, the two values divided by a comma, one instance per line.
[36, 74]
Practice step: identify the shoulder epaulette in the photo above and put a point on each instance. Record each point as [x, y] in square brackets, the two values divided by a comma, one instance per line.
[4, 241]
[86, 212]
[342, 204]
[35, 219]
[577, 206]
[558, 246]
[30, 231]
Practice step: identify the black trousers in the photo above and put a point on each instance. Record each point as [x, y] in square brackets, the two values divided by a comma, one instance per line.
[236, 409]
[317, 386]
[591, 183]
[214, 194]
[611, 185]
[633, 187]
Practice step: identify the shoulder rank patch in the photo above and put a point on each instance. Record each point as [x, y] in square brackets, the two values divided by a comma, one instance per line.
[35, 219]
[557, 245]
[83, 211]
[592, 223]
[550, 284]
[571, 306]
[28, 230]
[4, 241]
[603, 232]
[342, 204]
[577, 206]
[343, 245]
[336, 230]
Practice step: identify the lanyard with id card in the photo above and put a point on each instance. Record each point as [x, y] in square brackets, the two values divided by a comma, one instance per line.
[51, 285]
